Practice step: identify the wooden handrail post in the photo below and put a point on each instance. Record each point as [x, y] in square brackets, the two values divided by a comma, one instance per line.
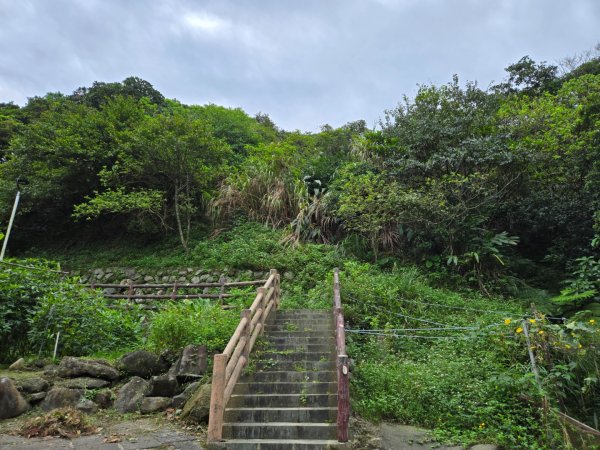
[217, 406]
[246, 331]
[174, 293]
[130, 290]
[276, 287]
[343, 370]
[263, 306]
[343, 415]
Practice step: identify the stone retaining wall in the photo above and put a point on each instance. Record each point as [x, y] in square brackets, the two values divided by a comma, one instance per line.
[122, 275]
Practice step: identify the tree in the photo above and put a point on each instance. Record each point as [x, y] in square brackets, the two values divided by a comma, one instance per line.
[100, 93]
[169, 161]
[529, 77]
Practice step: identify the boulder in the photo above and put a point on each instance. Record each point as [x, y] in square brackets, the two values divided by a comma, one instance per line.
[179, 400]
[60, 397]
[98, 274]
[87, 406]
[85, 383]
[33, 385]
[51, 370]
[192, 363]
[12, 402]
[163, 386]
[153, 404]
[197, 407]
[74, 367]
[19, 364]
[130, 396]
[142, 363]
[104, 398]
[41, 363]
[36, 398]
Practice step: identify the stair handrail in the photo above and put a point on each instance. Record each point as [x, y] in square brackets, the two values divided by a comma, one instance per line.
[228, 365]
[343, 413]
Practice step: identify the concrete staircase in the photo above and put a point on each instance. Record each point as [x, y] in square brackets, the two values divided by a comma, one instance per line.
[288, 400]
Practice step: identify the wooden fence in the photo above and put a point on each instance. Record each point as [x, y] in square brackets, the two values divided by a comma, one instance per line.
[134, 291]
[343, 415]
[229, 364]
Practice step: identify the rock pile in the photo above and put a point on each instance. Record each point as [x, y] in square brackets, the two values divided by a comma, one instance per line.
[140, 382]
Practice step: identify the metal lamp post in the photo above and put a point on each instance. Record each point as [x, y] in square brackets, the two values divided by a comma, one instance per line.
[12, 215]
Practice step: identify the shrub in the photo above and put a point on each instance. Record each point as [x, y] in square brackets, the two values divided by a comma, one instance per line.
[36, 302]
[85, 322]
[20, 293]
[181, 324]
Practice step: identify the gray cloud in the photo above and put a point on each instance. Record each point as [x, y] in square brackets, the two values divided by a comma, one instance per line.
[305, 63]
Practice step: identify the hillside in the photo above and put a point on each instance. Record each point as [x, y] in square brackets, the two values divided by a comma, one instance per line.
[465, 226]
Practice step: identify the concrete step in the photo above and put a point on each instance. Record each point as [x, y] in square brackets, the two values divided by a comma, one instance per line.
[310, 415]
[294, 366]
[275, 340]
[282, 400]
[294, 356]
[303, 312]
[278, 334]
[299, 346]
[279, 376]
[279, 430]
[278, 444]
[302, 331]
[309, 387]
[304, 319]
[300, 325]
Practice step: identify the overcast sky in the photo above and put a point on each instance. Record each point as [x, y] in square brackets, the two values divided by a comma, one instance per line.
[305, 62]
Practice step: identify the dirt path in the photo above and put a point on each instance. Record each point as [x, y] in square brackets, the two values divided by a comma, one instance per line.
[130, 434]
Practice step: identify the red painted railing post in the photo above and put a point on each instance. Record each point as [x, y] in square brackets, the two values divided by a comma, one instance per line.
[343, 415]
[343, 372]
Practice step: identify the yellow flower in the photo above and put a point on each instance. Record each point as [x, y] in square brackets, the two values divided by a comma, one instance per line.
[531, 320]
[567, 346]
[482, 425]
[541, 332]
[519, 330]
[592, 321]
[580, 346]
[507, 321]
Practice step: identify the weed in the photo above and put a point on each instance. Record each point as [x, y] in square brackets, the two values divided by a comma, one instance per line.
[291, 327]
[299, 367]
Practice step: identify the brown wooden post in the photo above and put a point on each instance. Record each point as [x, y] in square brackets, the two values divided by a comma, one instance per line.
[246, 332]
[263, 306]
[174, 293]
[278, 289]
[130, 289]
[275, 286]
[343, 415]
[217, 407]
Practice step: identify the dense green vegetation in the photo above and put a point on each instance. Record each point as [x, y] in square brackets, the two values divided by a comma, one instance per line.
[448, 220]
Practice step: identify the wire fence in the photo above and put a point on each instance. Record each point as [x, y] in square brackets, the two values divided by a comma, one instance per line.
[474, 331]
